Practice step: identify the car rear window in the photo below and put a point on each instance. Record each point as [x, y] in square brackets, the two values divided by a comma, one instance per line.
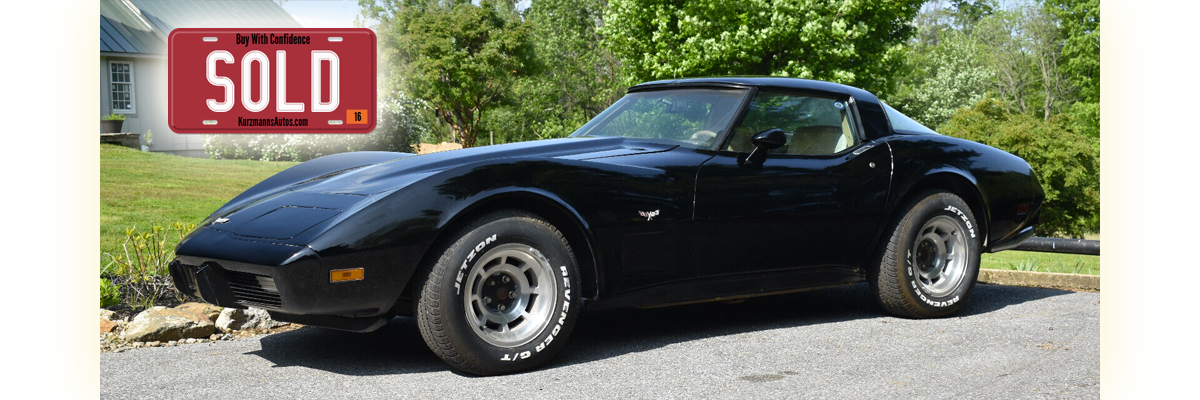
[902, 123]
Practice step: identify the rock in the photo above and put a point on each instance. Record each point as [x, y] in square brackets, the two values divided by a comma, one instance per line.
[166, 324]
[106, 314]
[206, 310]
[107, 325]
[232, 319]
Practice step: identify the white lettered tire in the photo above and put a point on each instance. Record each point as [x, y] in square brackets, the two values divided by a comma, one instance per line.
[931, 261]
[502, 297]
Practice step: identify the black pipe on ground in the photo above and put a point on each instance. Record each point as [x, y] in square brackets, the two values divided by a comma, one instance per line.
[1057, 245]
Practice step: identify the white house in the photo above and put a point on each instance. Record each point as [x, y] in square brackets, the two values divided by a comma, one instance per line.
[133, 57]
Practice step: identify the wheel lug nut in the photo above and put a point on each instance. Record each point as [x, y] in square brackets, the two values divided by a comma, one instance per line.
[487, 300]
[512, 293]
[502, 307]
[506, 280]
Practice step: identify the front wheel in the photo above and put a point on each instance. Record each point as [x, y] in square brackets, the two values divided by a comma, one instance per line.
[500, 299]
[931, 261]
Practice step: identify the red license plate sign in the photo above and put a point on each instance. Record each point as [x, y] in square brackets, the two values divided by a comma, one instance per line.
[271, 80]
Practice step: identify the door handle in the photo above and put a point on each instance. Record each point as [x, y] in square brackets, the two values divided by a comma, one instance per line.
[861, 150]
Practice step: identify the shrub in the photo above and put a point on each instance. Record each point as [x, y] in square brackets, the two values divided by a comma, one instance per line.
[110, 294]
[145, 259]
[113, 117]
[400, 126]
[146, 253]
[1067, 163]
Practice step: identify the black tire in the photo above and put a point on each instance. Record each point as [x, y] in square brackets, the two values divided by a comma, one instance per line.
[476, 285]
[915, 277]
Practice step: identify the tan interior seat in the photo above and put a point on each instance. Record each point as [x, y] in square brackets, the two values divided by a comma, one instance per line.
[815, 140]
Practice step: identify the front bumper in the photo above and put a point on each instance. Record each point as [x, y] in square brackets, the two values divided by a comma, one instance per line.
[287, 280]
[225, 288]
[282, 295]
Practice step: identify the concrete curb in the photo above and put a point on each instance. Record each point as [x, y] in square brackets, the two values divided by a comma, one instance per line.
[1040, 279]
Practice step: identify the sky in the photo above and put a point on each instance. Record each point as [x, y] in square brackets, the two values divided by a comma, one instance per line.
[334, 13]
[323, 13]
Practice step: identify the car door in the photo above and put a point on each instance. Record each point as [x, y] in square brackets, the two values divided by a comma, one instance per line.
[815, 202]
[639, 206]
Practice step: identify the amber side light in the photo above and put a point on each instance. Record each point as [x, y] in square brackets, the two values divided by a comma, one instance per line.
[345, 275]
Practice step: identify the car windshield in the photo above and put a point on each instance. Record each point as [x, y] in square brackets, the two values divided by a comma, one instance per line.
[688, 117]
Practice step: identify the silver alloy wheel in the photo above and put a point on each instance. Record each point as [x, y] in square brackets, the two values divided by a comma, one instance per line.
[510, 295]
[939, 256]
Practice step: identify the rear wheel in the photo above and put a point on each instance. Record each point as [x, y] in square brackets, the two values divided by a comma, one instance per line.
[931, 261]
[499, 298]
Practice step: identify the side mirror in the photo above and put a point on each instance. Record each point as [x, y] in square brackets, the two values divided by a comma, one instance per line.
[764, 142]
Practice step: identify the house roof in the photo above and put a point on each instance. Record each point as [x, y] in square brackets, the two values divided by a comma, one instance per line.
[124, 29]
[173, 14]
[142, 26]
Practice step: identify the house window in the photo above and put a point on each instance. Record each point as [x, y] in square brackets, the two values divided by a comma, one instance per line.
[121, 86]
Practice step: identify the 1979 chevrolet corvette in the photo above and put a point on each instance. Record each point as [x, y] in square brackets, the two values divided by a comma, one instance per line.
[682, 191]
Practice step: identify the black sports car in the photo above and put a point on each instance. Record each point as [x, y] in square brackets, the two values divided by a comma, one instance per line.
[682, 191]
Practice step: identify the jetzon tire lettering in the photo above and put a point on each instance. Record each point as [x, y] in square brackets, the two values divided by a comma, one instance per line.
[462, 270]
[965, 219]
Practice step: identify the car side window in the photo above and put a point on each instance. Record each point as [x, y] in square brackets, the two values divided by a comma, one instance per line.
[814, 125]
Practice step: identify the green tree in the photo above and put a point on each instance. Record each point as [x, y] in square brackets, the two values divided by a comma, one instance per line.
[1002, 37]
[945, 65]
[956, 17]
[580, 78]
[1080, 28]
[459, 57]
[1080, 23]
[855, 43]
[967, 13]
[1067, 166]
[1026, 48]
[1046, 53]
[944, 78]
[584, 72]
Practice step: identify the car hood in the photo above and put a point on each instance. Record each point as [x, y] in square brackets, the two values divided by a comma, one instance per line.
[385, 176]
[323, 191]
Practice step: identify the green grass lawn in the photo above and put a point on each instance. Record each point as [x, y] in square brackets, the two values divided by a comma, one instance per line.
[145, 189]
[1043, 262]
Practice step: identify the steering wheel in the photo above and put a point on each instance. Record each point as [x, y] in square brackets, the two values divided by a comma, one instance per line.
[703, 137]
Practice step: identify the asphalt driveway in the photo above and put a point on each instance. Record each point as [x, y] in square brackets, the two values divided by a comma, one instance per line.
[1010, 342]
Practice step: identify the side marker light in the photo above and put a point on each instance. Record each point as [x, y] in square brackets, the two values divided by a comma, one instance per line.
[345, 275]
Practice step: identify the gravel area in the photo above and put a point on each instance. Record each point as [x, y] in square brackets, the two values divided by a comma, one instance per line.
[1009, 342]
